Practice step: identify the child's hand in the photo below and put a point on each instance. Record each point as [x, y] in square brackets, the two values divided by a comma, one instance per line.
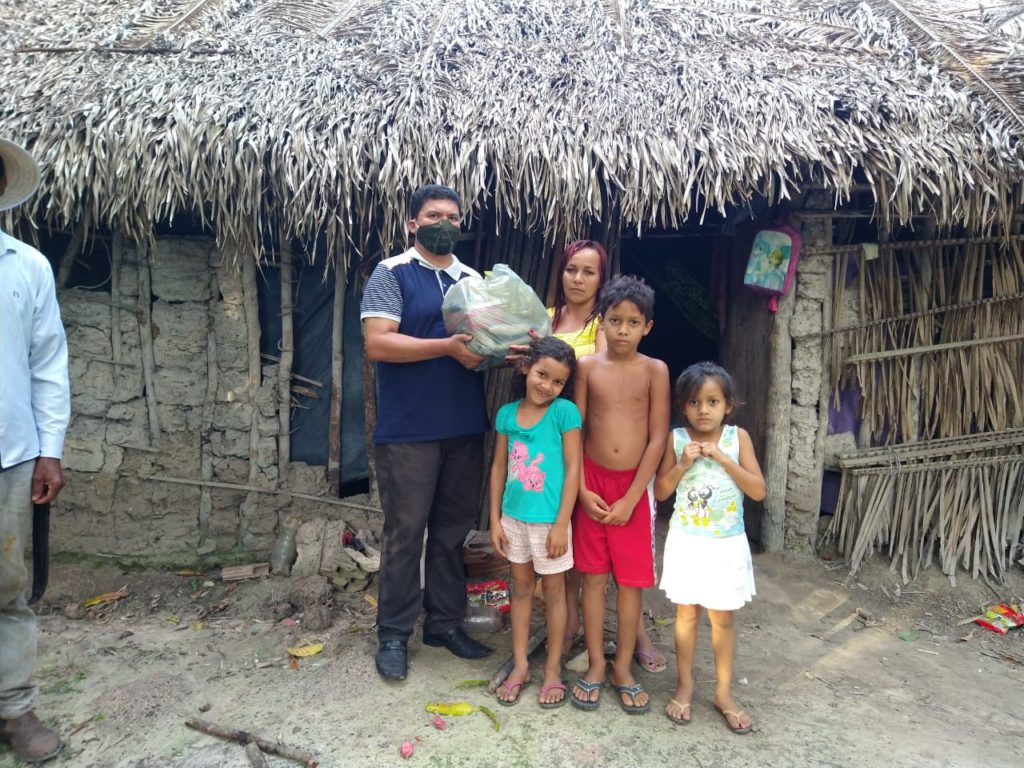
[595, 507]
[499, 541]
[558, 540]
[690, 454]
[619, 513]
[711, 451]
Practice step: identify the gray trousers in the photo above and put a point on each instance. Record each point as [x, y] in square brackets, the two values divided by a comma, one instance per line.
[433, 486]
[17, 621]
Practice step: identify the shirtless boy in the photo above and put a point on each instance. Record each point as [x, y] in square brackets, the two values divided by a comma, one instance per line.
[623, 397]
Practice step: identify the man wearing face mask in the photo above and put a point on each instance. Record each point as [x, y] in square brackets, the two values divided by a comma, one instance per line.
[431, 418]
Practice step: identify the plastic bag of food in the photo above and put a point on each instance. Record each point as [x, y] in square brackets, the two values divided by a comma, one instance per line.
[498, 311]
[1001, 618]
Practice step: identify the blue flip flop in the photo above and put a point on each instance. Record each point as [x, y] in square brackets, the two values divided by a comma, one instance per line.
[633, 691]
[588, 687]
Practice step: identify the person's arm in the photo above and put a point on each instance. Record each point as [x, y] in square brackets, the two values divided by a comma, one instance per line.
[558, 537]
[595, 507]
[657, 434]
[499, 476]
[747, 472]
[381, 312]
[51, 393]
[671, 471]
[385, 344]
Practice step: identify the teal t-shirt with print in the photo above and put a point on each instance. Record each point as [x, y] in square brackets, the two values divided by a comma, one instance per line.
[536, 466]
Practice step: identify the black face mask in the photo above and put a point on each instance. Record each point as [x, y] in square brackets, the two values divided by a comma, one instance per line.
[438, 238]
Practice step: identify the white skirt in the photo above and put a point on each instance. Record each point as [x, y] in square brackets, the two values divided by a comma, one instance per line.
[711, 572]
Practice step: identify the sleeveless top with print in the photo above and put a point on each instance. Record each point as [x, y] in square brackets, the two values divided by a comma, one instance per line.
[708, 501]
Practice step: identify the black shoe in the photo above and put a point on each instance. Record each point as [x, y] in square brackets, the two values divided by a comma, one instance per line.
[459, 643]
[392, 659]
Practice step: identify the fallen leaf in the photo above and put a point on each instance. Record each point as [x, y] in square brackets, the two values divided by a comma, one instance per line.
[472, 683]
[406, 749]
[309, 649]
[439, 723]
[173, 619]
[908, 635]
[106, 597]
[294, 665]
[371, 600]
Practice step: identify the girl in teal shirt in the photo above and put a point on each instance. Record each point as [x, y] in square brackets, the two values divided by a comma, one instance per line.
[534, 479]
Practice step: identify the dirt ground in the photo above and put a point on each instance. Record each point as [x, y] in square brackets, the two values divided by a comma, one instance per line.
[823, 689]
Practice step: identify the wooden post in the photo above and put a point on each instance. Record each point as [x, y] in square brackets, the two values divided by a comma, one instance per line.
[116, 256]
[337, 371]
[780, 400]
[284, 368]
[67, 264]
[370, 412]
[825, 389]
[146, 339]
[250, 303]
[205, 450]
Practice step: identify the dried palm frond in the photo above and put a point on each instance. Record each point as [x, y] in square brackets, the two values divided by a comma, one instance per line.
[946, 35]
[174, 15]
[318, 119]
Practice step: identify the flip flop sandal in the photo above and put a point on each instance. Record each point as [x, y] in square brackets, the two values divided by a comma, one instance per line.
[588, 687]
[553, 704]
[633, 691]
[517, 686]
[738, 714]
[685, 709]
[649, 661]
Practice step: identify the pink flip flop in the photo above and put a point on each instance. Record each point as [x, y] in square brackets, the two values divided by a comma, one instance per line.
[553, 704]
[511, 686]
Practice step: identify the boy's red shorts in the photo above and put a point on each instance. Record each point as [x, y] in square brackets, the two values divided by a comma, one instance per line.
[625, 551]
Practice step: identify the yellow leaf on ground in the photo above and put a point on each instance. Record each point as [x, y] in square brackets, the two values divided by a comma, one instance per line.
[309, 649]
[371, 600]
[106, 597]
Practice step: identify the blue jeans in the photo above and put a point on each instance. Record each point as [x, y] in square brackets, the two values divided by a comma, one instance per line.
[17, 621]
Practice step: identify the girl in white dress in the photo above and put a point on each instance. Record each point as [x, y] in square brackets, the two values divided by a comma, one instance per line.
[710, 466]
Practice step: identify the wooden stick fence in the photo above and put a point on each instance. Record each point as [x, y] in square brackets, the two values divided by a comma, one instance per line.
[937, 358]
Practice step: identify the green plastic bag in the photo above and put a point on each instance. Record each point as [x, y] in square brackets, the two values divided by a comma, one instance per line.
[498, 310]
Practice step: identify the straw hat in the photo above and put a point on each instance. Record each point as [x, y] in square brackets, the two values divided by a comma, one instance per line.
[22, 175]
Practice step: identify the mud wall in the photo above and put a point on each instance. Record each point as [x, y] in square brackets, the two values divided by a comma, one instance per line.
[215, 421]
[809, 407]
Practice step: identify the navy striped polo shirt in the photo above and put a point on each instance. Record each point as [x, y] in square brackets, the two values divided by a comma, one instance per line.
[431, 399]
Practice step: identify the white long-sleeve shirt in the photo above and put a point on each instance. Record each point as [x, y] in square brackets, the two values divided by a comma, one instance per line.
[35, 398]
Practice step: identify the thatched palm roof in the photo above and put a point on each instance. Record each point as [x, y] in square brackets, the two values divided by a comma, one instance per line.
[321, 116]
